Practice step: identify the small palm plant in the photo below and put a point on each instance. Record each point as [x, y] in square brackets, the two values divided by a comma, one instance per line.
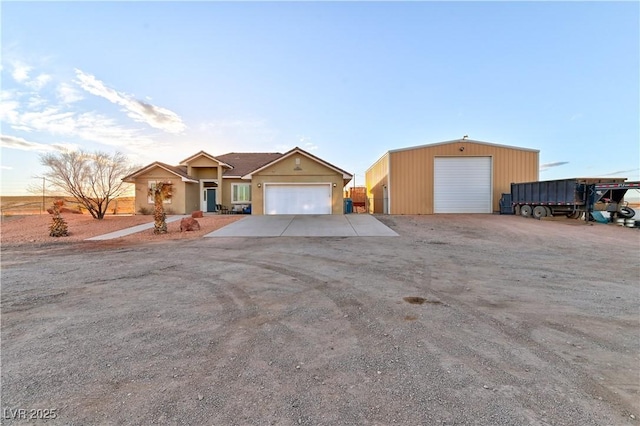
[160, 192]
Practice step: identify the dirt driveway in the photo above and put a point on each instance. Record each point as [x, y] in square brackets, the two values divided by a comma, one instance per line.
[487, 320]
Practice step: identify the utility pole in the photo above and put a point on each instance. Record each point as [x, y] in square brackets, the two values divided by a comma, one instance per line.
[42, 211]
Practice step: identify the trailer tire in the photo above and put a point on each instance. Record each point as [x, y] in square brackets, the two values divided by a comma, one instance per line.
[526, 210]
[575, 215]
[626, 212]
[549, 211]
[539, 212]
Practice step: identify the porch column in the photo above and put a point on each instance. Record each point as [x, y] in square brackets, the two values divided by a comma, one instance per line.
[219, 191]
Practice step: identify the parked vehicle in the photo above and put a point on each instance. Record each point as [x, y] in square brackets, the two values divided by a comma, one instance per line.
[575, 198]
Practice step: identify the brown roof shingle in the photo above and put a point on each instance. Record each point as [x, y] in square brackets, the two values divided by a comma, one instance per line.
[245, 162]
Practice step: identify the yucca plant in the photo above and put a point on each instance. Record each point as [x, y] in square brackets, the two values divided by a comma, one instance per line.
[58, 227]
[160, 192]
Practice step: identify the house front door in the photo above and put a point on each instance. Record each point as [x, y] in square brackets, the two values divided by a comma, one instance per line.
[211, 200]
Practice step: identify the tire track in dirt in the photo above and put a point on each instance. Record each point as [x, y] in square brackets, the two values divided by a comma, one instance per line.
[564, 370]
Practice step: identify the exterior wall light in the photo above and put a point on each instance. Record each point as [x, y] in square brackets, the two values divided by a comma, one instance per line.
[259, 185]
[334, 185]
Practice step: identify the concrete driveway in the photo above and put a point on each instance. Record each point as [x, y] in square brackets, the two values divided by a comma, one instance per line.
[354, 225]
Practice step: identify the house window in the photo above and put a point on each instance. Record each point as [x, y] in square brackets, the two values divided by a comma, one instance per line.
[151, 186]
[241, 193]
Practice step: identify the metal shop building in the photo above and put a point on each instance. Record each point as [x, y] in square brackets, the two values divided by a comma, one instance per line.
[458, 176]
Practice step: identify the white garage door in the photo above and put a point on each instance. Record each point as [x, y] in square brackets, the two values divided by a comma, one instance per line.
[297, 199]
[462, 185]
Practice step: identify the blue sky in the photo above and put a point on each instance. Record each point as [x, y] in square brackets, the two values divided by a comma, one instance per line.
[346, 81]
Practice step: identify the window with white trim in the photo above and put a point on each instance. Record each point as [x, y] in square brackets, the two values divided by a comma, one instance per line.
[240, 193]
[151, 185]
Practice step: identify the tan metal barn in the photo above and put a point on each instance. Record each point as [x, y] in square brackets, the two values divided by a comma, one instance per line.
[459, 176]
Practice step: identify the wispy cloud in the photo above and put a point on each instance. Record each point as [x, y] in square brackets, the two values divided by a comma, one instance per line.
[547, 166]
[67, 94]
[8, 107]
[20, 71]
[140, 111]
[575, 116]
[7, 141]
[6, 168]
[39, 82]
[24, 112]
[620, 172]
[306, 144]
[88, 126]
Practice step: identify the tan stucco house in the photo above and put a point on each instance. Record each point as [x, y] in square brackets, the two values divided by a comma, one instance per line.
[295, 182]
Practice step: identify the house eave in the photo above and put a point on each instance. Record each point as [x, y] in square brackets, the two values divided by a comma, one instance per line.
[409, 148]
[132, 177]
[186, 161]
[345, 175]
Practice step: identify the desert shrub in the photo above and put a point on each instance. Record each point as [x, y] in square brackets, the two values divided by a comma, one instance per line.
[145, 210]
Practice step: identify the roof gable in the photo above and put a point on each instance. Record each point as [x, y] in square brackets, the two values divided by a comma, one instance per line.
[297, 150]
[179, 171]
[208, 156]
[464, 140]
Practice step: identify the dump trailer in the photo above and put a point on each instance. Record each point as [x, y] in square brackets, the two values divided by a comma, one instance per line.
[575, 198]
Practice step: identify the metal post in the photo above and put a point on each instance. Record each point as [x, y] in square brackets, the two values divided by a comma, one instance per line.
[42, 212]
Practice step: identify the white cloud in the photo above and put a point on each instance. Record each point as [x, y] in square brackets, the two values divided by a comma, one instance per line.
[8, 107]
[6, 168]
[39, 116]
[67, 94]
[306, 144]
[310, 146]
[39, 82]
[140, 111]
[14, 142]
[36, 101]
[20, 72]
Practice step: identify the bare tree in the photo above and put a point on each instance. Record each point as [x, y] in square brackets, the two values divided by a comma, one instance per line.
[93, 179]
[160, 192]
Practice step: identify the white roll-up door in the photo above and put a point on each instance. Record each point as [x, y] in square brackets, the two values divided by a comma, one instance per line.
[297, 199]
[462, 185]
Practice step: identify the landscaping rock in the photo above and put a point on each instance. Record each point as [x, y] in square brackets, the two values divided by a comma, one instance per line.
[189, 224]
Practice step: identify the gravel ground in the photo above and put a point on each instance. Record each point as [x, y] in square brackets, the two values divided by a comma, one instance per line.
[33, 230]
[479, 320]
